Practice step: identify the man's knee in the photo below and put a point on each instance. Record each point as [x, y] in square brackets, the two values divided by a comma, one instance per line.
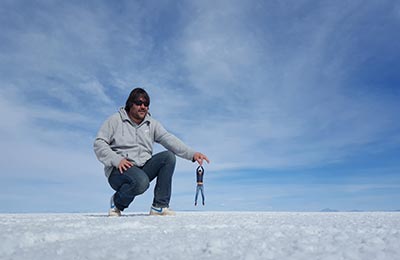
[139, 184]
[170, 157]
[142, 185]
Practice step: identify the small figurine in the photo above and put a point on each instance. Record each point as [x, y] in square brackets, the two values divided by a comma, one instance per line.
[199, 177]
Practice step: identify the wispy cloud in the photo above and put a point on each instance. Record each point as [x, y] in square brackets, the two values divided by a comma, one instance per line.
[272, 87]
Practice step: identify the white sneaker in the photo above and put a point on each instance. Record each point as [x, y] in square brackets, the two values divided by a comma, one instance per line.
[113, 211]
[161, 211]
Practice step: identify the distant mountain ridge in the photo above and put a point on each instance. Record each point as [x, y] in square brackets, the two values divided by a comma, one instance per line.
[357, 210]
[329, 210]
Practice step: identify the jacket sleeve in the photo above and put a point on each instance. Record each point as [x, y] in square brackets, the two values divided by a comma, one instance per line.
[102, 144]
[172, 143]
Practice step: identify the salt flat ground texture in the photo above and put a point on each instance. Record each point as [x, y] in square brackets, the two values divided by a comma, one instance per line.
[201, 235]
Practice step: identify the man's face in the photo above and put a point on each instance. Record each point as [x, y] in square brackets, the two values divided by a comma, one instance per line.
[139, 110]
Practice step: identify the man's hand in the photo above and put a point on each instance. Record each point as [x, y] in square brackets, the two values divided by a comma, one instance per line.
[124, 165]
[199, 157]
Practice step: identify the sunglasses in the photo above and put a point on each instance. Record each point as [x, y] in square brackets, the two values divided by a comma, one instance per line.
[140, 102]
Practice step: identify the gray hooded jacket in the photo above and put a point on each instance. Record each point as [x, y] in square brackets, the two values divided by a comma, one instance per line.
[120, 138]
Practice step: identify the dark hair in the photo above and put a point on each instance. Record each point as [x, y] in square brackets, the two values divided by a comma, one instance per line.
[135, 95]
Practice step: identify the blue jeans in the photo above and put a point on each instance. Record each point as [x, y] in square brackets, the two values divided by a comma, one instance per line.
[136, 180]
[201, 189]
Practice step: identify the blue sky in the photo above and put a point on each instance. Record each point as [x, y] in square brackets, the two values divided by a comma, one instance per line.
[296, 103]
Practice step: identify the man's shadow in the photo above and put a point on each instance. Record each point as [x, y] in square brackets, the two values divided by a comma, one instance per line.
[129, 215]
